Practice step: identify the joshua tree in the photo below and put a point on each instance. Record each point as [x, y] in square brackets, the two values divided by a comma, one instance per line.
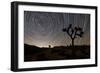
[73, 32]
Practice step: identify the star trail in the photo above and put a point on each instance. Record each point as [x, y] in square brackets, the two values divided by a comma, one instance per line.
[45, 28]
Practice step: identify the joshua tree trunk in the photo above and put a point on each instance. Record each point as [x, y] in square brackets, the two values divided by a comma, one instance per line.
[72, 41]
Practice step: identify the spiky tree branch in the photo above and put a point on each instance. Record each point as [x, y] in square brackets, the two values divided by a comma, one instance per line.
[73, 32]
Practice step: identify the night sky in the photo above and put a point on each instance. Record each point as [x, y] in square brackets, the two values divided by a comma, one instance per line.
[45, 28]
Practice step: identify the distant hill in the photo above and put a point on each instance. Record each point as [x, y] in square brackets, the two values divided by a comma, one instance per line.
[30, 49]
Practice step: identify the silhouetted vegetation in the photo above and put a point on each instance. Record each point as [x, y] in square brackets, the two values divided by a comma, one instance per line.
[34, 53]
[73, 32]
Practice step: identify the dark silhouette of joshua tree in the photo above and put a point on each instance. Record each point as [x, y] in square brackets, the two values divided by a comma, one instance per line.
[73, 32]
[49, 46]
